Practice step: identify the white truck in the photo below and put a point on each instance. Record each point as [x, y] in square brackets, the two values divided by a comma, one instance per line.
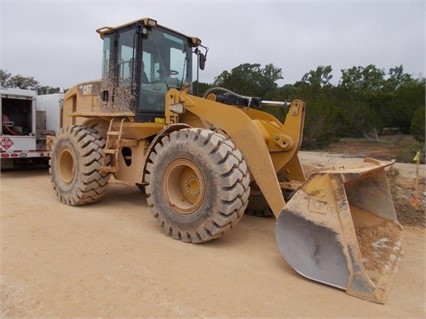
[27, 120]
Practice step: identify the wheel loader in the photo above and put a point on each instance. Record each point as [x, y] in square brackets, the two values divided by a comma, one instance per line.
[204, 161]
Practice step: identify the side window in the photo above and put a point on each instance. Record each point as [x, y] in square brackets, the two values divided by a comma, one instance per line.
[106, 57]
[126, 57]
[146, 67]
[177, 60]
[150, 67]
[157, 68]
[177, 67]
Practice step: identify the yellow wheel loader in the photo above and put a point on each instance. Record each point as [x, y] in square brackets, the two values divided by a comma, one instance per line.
[202, 160]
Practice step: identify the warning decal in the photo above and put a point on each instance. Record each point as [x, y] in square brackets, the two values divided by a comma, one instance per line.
[6, 143]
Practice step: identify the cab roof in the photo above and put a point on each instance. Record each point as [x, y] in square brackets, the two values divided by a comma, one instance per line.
[151, 23]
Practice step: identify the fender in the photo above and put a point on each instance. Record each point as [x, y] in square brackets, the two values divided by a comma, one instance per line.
[247, 137]
[164, 132]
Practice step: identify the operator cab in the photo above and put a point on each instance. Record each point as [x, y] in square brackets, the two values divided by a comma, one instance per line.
[141, 62]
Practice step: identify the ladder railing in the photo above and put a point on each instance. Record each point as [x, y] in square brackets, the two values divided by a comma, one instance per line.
[112, 147]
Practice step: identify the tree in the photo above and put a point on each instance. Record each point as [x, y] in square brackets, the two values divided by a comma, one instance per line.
[23, 82]
[316, 90]
[18, 81]
[409, 97]
[250, 79]
[363, 78]
[319, 78]
[417, 129]
[199, 88]
[4, 77]
[397, 77]
[363, 102]
[47, 90]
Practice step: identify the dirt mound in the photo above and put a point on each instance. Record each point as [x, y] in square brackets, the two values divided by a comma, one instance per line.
[410, 207]
[401, 148]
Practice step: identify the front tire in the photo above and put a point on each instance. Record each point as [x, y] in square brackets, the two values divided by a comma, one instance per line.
[197, 184]
[74, 166]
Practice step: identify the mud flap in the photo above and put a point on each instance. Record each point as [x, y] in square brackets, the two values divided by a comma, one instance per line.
[341, 229]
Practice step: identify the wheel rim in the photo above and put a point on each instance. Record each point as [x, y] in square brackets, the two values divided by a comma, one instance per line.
[184, 186]
[66, 166]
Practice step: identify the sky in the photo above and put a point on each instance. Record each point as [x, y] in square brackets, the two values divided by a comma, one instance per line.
[55, 41]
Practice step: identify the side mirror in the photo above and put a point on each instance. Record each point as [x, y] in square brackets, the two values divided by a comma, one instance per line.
[201, 61]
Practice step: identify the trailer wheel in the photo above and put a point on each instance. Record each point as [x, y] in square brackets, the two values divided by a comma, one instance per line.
[74, 166]
[197, 184]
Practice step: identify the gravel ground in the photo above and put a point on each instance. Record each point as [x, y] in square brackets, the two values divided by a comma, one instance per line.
[111, 259]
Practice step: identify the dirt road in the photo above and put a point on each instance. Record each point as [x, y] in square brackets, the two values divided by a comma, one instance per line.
[111, 259]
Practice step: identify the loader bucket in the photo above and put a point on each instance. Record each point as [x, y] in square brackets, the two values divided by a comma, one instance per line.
[341, 229]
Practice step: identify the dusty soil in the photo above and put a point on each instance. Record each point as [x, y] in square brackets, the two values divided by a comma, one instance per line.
[111, 259]
[399, 147]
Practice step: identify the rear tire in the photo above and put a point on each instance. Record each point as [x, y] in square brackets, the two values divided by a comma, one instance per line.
[258, 206]
[197, 184]
[74, 166]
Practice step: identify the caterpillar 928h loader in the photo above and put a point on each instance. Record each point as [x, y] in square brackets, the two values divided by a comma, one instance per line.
[204, 161]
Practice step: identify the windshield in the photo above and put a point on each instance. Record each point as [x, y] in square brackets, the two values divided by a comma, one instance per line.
[166, 63]
[166, 58]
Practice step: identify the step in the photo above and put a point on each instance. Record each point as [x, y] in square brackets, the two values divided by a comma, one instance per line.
[128, 142]
[113, 133]
[108, 169]
[110, 151]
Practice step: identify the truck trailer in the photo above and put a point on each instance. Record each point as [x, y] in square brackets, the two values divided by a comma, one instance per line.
[27, 120]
